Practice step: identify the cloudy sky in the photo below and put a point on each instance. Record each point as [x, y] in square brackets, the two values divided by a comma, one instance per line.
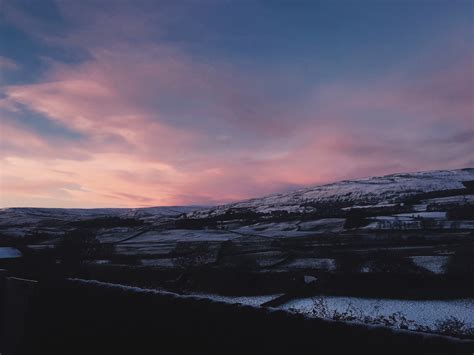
[138, 103]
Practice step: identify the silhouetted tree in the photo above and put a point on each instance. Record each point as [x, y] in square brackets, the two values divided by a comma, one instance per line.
[76, 247]
[356, 218]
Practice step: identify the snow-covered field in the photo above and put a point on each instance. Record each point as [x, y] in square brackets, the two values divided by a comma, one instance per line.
[271, 233]
[292, 228]
[323, 225]
[423, 312]
[183, 235]
[408, 223]
[429, 215]
[462, 200]
[433, 263]
[28, 216]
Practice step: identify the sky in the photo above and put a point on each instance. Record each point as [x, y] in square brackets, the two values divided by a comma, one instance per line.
[117, 103]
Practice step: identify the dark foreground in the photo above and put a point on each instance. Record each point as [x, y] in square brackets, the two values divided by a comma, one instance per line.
[87, 317]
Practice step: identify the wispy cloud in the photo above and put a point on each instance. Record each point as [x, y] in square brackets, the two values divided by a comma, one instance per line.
[7, 64]
[157, 123]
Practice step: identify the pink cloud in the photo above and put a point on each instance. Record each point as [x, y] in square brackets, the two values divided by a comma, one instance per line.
[158, 126]
[18, 140]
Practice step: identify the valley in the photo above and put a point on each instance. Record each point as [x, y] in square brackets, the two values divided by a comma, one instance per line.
[400, 239]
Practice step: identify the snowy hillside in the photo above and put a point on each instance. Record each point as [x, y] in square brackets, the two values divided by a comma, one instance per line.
[380, 191]
[30, 215]
[412, 201]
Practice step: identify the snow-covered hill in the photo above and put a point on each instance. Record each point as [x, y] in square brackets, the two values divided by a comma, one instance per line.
[35, 216]
[392, 202]
[379, 191]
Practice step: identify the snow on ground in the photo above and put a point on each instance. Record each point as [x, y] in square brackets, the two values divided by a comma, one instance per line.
[458, 199]
[420, 207]
[391, 218]
[369, 191]
[324, 224]
[312, 263]
[434, 264]
[392, 222]
[246, 300]
[435, 215]
[464, 224]
[423, 312]
[273, 230]
[111, 235]
[255, 301]
[161, 211]
[34, 216]
[283, 234]
[378, 205]
[183, 235]
[407, 223]
[259, 227]
[9, 253]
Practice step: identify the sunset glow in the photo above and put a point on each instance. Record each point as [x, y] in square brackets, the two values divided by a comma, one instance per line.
[143, 103]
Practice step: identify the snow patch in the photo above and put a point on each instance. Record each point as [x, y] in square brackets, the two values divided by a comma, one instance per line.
[435, 264]
[424, 312]
[9, 253]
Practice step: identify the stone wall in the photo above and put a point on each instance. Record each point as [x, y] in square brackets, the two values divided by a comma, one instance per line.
[88, 317]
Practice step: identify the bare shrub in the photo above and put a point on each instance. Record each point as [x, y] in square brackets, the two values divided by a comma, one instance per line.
[454, 327]
[451, 326]
[192, 255]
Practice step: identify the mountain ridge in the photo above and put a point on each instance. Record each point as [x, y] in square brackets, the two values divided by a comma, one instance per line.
[387, 189]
